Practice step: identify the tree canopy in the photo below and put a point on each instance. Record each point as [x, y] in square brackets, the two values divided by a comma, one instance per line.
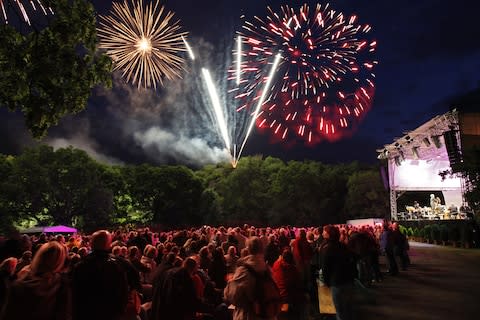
[43, 186]
[49, 73]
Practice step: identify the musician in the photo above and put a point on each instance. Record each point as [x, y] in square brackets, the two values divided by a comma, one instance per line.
[433, 202]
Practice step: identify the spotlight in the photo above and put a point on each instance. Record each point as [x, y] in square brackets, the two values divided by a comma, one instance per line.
[402, 155]
[437, 142]
[426, 142]
[415, 153]
[398, 162]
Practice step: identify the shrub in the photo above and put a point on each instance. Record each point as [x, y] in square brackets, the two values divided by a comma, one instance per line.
[444, 233]
[435, 232]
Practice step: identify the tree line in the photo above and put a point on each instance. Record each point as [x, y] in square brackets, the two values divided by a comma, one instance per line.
[43, 186]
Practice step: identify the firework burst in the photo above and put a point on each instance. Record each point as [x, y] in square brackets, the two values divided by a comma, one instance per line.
[22, 8]
[326, 80]
[143, 41]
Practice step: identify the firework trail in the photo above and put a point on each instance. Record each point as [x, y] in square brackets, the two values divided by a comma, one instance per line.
[22, 7]
[326, 81]
[143, 41]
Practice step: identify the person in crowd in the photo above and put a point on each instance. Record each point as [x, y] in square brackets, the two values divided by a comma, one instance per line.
[218, 269]
[24, 261]
[400, 246]
[339, 270]
[303, 253]
[387, 245]
[205, 259]
[134, 257]
[178, 298]
[231, 259]
[99, 286]
[148, 259]
[43, 293]
[272, 250]
[7, 276]
[288, 279]
[240, 290]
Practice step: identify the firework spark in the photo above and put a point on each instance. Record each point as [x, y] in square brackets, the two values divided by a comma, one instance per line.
[22, 8]
[327, 80]
[222, 124]
[261, 101]
[143, 41]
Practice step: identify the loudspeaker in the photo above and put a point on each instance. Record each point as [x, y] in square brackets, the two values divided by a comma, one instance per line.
[451, 144]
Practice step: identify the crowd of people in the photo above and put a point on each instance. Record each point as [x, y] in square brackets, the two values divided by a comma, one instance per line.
[198, 273]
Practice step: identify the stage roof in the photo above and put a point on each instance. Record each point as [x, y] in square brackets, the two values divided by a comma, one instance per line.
[425, 142]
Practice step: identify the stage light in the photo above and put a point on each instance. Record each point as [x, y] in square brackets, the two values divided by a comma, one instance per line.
[402, 155]
[415, 153]
[398, 162]
[436, 141]
[426, 142]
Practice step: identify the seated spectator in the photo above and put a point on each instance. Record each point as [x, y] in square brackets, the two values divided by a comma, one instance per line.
[42, 293]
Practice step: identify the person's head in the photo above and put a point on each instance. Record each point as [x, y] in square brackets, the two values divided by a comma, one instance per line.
[303, 234]
[232, 251]
[8, 266]
[204, 252]
[27, 255]
[331, 232]
[133, 252]
[287, 256]
[49, 259]
[82, 252]
[190, 264]
[101, 241]
[255, 246]
[117, 251]
[150, 252]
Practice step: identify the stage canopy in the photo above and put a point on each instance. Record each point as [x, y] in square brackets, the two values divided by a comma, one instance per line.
[54, 229]
[421, 160]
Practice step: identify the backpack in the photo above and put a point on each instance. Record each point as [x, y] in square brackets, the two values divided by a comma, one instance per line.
[267, 296]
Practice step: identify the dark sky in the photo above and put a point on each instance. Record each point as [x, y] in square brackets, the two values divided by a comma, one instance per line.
[428, 52]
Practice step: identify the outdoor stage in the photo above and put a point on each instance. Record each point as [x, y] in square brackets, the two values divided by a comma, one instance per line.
[424, 174]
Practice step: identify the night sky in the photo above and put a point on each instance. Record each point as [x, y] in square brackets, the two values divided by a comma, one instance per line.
[428, 52]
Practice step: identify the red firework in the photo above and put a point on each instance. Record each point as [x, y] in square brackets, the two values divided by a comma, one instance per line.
[325, 83]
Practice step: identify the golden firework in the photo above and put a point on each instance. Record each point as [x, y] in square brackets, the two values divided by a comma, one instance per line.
[143, 41]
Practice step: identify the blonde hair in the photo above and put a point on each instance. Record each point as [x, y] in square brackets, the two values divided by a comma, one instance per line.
[50, 258]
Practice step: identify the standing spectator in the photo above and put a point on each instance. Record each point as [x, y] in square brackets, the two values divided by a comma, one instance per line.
[241, 290]
[178, 298]
[24, 261]
[302, 254]
[400, 246]
[42, 294]
[100, 287]
[272, 250]
[387, 245]
[218, 269]
[148, 259]
[289, 283]
[231, 259]
[7, 276]
[338, 267]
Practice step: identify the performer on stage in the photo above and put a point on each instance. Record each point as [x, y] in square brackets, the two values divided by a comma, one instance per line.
[433, 202]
